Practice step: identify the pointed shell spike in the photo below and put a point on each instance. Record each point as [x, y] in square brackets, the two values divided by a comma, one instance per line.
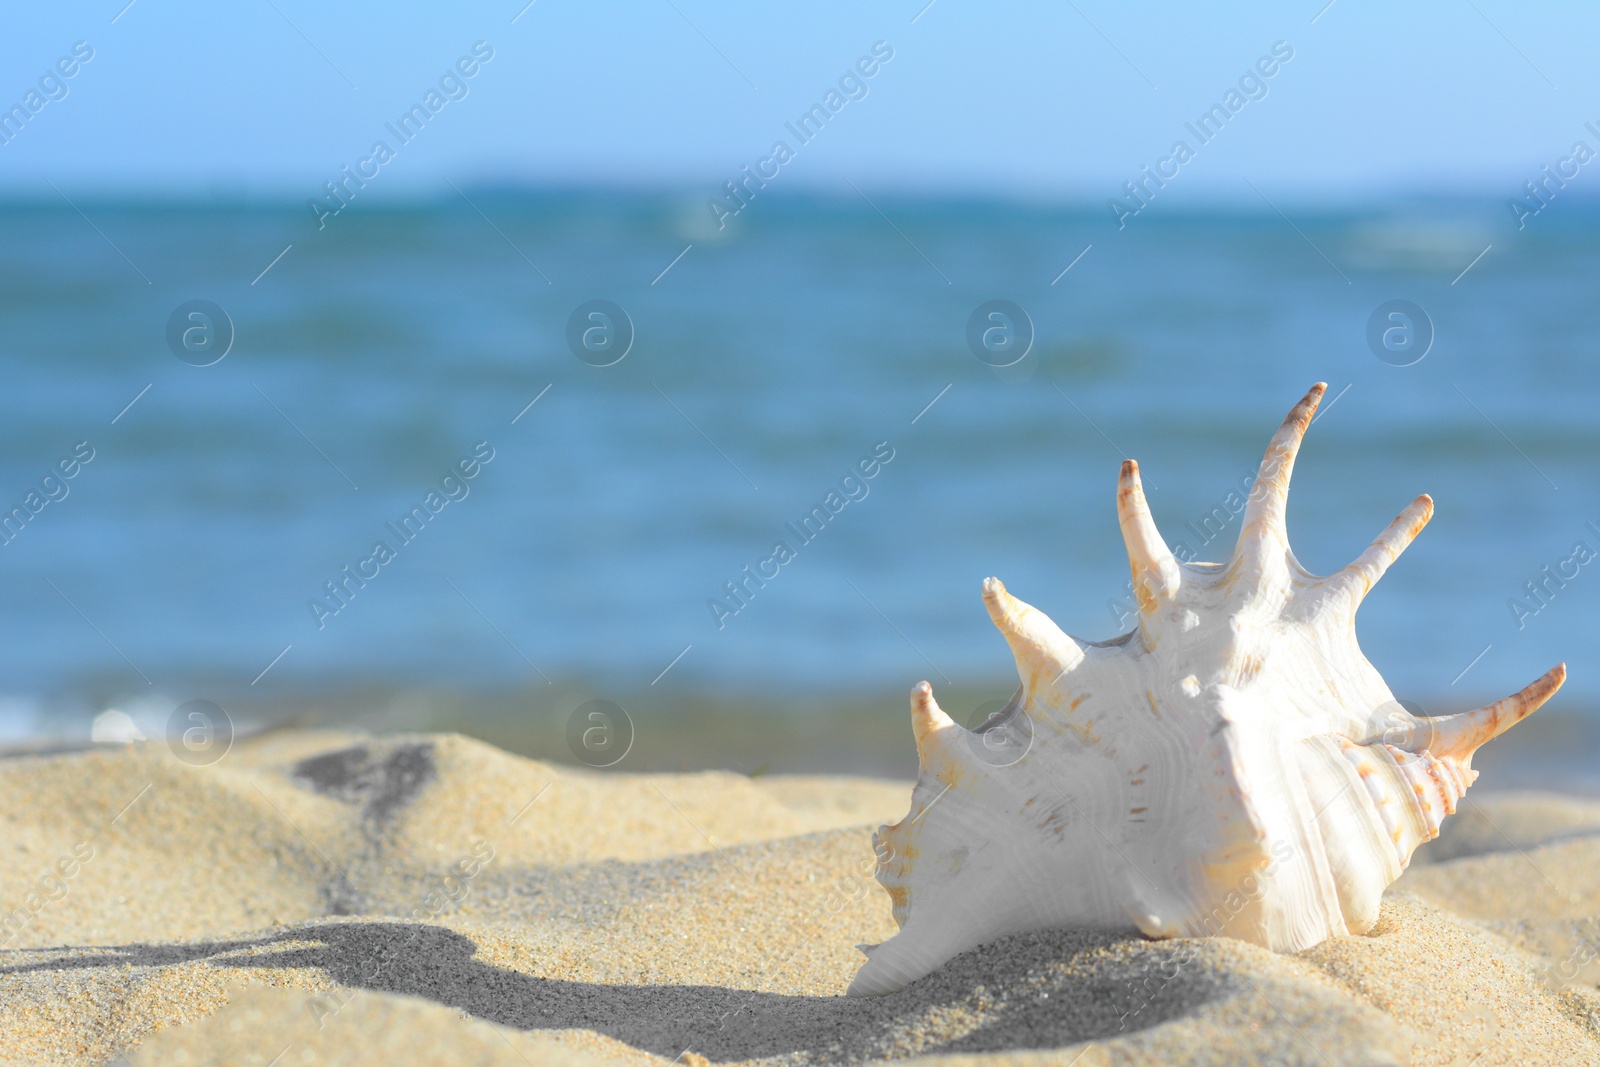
[1043, 651]
[1269, 496]
[1362, 574]
[1155, 569]
[927, 717]
[1459, 736]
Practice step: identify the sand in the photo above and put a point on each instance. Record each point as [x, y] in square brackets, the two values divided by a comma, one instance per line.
[335, 898]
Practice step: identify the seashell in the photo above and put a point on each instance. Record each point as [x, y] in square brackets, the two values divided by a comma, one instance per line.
[1233, 765]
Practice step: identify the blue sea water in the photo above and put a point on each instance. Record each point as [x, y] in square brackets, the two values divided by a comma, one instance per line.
[768, 361]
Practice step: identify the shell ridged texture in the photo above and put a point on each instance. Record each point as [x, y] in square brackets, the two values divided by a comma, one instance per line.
[1232, 766]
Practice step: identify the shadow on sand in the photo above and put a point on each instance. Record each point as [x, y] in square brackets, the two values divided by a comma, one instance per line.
[1030, 1002]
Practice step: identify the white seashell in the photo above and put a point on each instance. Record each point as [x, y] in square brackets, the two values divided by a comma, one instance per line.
[1232, 766]
[115, 727]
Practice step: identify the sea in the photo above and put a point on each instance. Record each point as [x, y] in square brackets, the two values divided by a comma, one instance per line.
[532, 448]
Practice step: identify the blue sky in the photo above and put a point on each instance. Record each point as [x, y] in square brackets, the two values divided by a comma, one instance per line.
[1034, 100]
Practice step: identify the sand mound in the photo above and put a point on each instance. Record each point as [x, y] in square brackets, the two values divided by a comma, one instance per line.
[331, 898]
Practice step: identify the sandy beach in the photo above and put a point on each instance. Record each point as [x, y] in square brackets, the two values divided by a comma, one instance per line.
[323, 897]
